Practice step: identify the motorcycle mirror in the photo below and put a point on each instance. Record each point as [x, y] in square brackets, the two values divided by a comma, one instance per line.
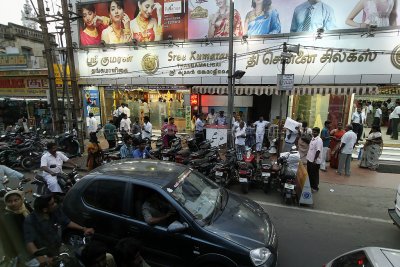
[30, 128]
[44, 132]
[38, 129]
[3, 135]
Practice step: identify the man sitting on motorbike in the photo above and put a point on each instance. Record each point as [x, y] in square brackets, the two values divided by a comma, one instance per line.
[51, 163]
[141, 152]
[43, 228]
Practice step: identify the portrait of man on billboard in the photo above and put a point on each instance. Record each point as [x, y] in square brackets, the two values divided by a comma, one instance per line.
[312, 15]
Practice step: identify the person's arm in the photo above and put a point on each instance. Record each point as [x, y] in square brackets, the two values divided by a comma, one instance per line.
[75, 226]
[30, 236]
[356, 10]
[211, 26]
[246, 23]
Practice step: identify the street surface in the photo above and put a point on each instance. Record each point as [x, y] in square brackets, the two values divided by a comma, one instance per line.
[346, 215]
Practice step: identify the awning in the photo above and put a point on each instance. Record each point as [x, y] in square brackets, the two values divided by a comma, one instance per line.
[298, 90]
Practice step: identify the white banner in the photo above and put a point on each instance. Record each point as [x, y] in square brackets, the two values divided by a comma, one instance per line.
[317, 57]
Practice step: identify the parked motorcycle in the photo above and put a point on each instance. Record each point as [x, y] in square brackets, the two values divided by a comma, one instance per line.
[225, 172]
[288, 162]
[168, 154]
[248, 171]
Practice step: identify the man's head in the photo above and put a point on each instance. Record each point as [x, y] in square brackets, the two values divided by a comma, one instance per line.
[124, 116]
[91, 115]
[241, 124]
[94, 254]
[327, 124]
[304, 124]
[111, 121]
[358, 110]
[221, 113]
[44, 204]
[349, 127]
[127, 253]
[146, 119]
[142, 145]
[52, 148]
[212, 111]
[261, 118]
[128, 140]
[315, 131]
[171, 120]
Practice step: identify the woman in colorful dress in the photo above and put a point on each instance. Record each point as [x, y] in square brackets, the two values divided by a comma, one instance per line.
[219, 22]
[372, 149]
[94, 26]
[262, 19]
[335, 145]
[145, 28]
[382, 13]
[118, 32]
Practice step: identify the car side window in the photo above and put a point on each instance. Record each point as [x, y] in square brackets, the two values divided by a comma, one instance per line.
[358, 258]
[106, 195]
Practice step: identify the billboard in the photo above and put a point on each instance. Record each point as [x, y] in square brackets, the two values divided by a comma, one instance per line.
[131, 21]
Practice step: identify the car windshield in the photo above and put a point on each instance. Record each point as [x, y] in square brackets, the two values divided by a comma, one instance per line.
[196, 194]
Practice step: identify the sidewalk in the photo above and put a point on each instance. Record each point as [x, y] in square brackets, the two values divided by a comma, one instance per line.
[361, 177]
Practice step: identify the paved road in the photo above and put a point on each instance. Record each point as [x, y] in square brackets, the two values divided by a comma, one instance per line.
[345, 219]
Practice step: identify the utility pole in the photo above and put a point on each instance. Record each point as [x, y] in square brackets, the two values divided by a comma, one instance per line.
[74, 84]
[231, 93]
[49, 59]
[281, 95]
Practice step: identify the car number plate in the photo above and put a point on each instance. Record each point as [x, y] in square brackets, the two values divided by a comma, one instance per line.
[289, 186]
[217, 173]
[165, 158]
[243, 180]
[265, 174]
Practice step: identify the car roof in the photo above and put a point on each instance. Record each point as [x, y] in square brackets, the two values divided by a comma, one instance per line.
[157, 172]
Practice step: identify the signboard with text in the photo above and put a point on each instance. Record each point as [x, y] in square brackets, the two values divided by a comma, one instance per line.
[285, 82]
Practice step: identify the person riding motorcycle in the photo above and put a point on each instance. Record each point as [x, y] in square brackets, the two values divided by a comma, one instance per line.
[51, 163]
[141, 152]
[170, 132]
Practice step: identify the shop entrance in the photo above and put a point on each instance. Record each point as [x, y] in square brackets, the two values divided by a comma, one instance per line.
[261, 107]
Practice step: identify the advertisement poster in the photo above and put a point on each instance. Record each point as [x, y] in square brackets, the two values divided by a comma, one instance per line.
[91, 103]
[131, 21]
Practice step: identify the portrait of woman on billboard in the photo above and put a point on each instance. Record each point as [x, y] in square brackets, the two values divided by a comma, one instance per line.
[144, 27]
[262, 19]
[93, 25]
[381, 13]
[219, 21]
[118, 31]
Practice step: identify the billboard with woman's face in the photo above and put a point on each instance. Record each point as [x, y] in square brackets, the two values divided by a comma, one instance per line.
[126, 21]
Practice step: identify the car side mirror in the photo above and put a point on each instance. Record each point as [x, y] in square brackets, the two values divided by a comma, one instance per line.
[177, 227]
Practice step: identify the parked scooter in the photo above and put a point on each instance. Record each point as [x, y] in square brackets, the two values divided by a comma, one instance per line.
[225, 172]
[288, 162]
[68, 144]
[248, 171]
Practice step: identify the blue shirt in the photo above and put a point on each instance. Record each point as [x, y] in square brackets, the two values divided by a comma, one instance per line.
[137, 154]
[325, 134]
[126, 152]
[322, 16]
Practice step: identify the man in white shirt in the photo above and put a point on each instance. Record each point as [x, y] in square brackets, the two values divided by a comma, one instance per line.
[51, 164]
[92, 124]
[147, 128]
[395, 121]
[126, 110]
[260, 131]
[314, 158]
[211, 117]
[378, 115]
[199, 128]
[348, 141]
[125, 125]
[240, 138]
[357, 121]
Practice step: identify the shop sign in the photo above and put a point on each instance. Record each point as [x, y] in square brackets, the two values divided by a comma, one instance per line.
[9, 73]
[12, 83]
[13, 60]
[320, 57]
[194, 100]
[59, 74]
[188, 118]
[285, 82]
[389, 90]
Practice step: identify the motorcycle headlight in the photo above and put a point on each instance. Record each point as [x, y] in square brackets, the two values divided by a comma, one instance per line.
[259, 256]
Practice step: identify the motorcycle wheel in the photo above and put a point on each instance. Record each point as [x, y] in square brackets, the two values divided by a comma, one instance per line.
[28, 164]
[245, 187]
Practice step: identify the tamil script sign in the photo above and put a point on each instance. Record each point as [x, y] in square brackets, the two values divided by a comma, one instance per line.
[285, 82]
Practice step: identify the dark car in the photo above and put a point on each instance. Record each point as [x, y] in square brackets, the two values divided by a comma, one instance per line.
[212, 226]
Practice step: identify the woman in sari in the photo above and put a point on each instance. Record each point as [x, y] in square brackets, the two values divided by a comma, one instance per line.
[145, 28]
[118, 32]
[372, 149]
[262, 19]
[219, 22]
[335, 144]
[95, 154]
[94, 26]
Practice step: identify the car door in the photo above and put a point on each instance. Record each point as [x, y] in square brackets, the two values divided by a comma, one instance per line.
[105, 208]
[159, 247]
